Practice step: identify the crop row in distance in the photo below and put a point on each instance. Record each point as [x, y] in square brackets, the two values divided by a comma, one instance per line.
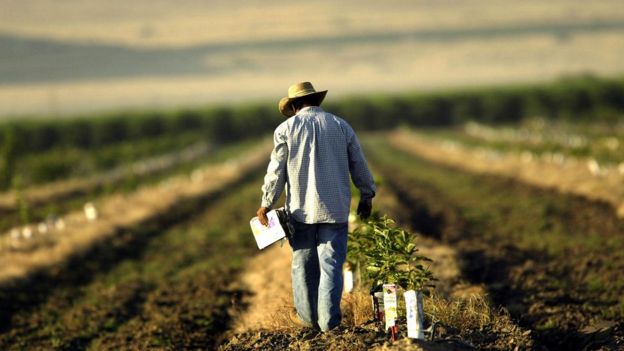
[63, 163]
[36, 207]
[165, 203]
[570, 98]
[537, 137]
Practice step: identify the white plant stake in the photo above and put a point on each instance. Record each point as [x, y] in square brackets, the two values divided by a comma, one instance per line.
[390, 304]
[90, 211]
[59, 224]
[27, 233]
[42, 228]
[348, 279]
[414, 312]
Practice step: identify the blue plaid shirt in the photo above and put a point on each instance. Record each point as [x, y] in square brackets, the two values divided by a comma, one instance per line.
[314, 154]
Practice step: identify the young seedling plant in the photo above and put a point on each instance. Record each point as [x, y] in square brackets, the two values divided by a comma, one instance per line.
[386, 253]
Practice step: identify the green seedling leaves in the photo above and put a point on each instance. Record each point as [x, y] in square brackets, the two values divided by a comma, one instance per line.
[388, 253]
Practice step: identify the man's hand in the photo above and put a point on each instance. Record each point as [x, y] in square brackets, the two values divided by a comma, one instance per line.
[364, 208]
[262, 211]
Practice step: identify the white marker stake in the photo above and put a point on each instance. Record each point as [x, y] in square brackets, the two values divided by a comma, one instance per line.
[27, 233]
[348, 279]
[90, 211]
[42, 228]
[414, 312]
[390, 304]
[59, 224]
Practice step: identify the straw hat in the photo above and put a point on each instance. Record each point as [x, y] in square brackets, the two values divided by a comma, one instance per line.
[297, 91]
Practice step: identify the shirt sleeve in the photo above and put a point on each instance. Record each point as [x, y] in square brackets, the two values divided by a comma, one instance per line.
[360, 174]
[275, 178]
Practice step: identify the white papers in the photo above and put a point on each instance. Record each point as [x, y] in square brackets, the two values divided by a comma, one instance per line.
[348, 279]
[266, 236]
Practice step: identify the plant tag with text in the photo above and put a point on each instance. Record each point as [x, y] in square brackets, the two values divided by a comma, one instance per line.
[390, 304]
[414, 314]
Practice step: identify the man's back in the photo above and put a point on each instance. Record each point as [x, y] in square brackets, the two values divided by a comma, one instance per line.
[320, 150]
[318, 166]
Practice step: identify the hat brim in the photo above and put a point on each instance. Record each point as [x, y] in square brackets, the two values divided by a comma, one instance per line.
[285, 103]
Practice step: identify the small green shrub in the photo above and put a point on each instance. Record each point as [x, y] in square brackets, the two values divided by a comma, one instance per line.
[388, 255]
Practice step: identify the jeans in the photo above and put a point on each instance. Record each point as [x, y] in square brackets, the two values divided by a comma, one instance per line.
[319, 251]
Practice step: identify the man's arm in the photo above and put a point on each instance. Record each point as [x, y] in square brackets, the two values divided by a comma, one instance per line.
[361, 175]
[275, 178]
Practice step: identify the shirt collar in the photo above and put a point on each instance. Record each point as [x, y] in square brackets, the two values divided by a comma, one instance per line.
[312, 109]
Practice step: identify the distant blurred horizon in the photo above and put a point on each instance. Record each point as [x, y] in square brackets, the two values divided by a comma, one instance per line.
[59, 58]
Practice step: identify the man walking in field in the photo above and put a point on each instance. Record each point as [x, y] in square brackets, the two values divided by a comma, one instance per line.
[315, 153]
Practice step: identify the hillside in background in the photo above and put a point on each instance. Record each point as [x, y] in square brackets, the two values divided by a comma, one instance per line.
[80, 55]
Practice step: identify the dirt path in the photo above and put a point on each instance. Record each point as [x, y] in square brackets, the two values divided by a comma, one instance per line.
[267, 276]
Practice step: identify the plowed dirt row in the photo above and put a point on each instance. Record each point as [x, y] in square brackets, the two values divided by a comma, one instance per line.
[554, 261]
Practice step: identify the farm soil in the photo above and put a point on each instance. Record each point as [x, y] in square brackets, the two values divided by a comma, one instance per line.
[178, 195]
[268, 322]
[163, 286]
[179, 288]
[569, 297]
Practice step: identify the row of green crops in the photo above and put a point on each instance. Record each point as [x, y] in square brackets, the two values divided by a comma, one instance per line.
[29, 136]
[571, 98]
[76, 162]
[575, 99]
